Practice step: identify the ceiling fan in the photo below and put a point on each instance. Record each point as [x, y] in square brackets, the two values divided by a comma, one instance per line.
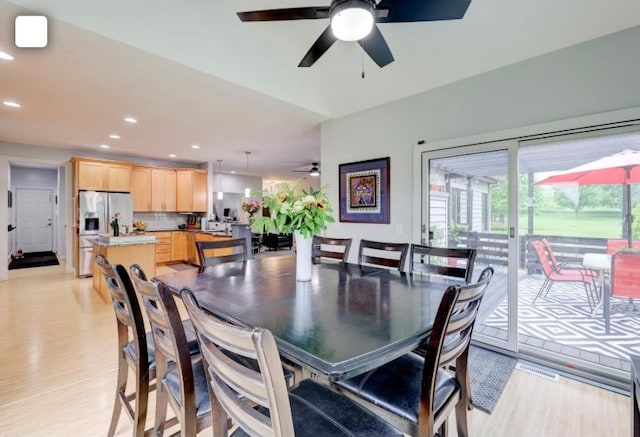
[354, 20]
[313, 171]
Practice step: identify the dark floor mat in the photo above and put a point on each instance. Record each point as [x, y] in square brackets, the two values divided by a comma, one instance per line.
[34, 259]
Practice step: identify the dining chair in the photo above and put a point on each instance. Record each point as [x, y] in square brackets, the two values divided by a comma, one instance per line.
[417, 394]
[448, 262]
[332, 248]
[581, 276]
[257, 400]
[181, 382]
[212, 253]
[135, 349]
[392, 255]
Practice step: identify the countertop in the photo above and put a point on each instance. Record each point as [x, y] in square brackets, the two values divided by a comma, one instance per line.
[201, 231]
[130, 240]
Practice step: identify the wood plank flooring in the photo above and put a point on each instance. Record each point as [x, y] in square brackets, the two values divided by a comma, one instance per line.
[57, 372]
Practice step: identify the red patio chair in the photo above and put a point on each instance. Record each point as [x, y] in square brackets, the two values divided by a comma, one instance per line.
[565, 267]
[615, 245]
[625, 280]
[573, 275]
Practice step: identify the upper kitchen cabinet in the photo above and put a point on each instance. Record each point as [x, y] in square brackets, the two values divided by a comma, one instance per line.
[163, 190]
[191, 190]
[102, 175]
[141, 189]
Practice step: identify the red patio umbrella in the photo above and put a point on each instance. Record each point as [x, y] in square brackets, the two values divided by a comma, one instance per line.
[621, 169]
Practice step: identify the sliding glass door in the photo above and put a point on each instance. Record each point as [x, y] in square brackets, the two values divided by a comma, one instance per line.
[469, 204]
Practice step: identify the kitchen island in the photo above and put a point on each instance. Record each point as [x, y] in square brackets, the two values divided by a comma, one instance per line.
[125, 250]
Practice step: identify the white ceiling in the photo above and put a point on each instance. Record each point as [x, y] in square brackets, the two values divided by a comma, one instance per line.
[192, 73]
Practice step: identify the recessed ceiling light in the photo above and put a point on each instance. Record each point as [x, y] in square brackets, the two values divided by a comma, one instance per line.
[130, 120]
[114, 136]
[104, 146]
[233, 172]
[172, 155]
[6, 56]
[195, 146]
[12, 104]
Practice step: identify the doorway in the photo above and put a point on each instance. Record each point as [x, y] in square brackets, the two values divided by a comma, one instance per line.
[34, 220]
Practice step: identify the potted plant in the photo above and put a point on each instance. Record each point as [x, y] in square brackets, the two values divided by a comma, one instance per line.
[302, 212]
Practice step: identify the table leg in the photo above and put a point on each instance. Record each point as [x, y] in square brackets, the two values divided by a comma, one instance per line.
[607, 309]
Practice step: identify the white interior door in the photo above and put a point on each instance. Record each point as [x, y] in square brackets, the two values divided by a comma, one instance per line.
[34, 220]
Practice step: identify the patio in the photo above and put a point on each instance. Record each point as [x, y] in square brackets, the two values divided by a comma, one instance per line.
[561, 322]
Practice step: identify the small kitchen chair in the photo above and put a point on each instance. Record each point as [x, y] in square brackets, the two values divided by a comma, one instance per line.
[212, 253]
[456, 263]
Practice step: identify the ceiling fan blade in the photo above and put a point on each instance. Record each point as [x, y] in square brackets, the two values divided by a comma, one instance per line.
[322, 44]
[376, 47]
[425, 10]
[309, 13]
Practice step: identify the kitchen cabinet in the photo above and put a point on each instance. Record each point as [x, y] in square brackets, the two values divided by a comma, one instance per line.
[102, 175]
[126, 254]
[163, 190]
[163, 247]
[191, 190]
[141, 189]
[179, 246]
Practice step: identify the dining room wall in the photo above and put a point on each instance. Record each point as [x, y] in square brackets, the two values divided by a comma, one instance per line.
[589, 78]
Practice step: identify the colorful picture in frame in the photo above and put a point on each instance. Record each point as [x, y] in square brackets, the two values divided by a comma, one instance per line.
[364, 191]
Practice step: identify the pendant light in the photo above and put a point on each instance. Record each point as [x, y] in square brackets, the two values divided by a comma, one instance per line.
[220, 194]
[247, 190]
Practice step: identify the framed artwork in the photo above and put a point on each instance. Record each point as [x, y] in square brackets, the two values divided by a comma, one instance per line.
[364, 191]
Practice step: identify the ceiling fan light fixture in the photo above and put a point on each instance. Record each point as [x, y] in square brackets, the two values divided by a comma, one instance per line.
[352, 20]
[315, 172]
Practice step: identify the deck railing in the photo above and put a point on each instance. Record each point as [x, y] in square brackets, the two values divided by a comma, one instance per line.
[492, 248]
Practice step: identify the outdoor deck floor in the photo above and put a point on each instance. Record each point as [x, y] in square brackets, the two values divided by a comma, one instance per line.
[560, 323]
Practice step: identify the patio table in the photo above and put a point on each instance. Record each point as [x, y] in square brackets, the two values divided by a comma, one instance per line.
[602, 263]
[347, 320]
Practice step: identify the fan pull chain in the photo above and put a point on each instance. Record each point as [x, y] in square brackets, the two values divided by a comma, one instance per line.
[362, 64]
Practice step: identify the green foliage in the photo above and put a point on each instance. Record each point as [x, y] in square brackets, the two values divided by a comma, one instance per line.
[295, 209]
[635, 226]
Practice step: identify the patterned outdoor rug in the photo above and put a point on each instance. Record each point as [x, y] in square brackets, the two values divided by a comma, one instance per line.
[490, 372]
[563, 318]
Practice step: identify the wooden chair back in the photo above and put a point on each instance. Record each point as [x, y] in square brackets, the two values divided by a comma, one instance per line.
[341, 244]
[377, 253]
[212, 253]
[172, 349]
[448, 343]
[455, 262]
[132, 347]
[235, 388]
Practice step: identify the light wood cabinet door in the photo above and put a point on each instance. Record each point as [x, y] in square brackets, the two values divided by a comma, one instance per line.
[141, 189]
[179, 246]
[103, 176]
[163, 190]
[91, 175]
[118, 177]
[200, 192]
[191, 190]
[184, 190]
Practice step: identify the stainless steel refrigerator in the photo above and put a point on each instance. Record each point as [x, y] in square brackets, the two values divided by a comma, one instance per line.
[96, 209]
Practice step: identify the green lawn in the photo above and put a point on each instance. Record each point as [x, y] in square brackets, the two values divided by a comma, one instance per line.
[604, 224]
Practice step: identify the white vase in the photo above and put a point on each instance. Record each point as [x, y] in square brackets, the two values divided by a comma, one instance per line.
[303, 257]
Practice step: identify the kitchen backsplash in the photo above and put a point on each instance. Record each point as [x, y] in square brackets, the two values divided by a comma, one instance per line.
[161, 221]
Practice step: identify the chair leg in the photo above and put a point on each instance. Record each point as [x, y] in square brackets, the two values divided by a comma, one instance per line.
[121, 386]
[541, 291]
[141, 401]
[462, 421]
[161, 409]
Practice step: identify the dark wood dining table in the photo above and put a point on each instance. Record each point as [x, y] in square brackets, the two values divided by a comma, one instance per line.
[347, 320]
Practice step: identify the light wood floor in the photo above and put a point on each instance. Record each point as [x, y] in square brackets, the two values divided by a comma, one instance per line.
[57, 372]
